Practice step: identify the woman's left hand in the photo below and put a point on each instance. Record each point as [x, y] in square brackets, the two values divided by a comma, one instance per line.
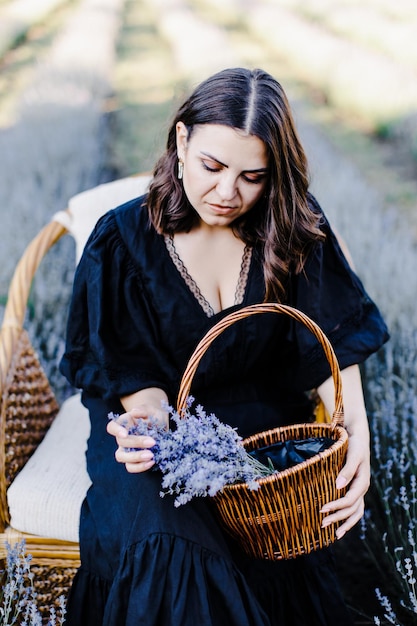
[356, 472]
[356, 475]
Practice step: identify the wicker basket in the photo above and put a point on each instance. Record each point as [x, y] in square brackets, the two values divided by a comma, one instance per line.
[282, 519]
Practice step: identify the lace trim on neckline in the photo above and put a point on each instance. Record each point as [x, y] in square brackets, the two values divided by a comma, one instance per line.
[194, 288]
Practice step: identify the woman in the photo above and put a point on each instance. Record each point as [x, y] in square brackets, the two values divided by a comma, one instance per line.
[228, 222]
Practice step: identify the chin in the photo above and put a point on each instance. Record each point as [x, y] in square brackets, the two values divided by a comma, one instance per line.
[218, 221]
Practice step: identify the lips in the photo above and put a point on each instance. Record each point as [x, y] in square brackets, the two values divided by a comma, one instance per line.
[222, 209]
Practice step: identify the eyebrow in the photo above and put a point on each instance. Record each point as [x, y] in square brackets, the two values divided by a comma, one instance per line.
[261, 170]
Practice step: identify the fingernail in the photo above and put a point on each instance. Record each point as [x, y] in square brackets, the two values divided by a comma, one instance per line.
[341, 482]
[340, 534]
[148, 442]
[147, 455]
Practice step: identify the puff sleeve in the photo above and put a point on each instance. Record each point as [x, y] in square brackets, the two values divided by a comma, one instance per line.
[113, 341]
[331, 293]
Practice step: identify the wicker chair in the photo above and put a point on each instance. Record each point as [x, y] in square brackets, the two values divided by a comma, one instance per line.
[27, 404]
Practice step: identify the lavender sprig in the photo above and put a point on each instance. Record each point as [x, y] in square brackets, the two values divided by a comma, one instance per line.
[199, 456]
[18, 598]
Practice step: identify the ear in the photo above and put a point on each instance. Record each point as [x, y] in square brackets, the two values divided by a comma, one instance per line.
[182, 139]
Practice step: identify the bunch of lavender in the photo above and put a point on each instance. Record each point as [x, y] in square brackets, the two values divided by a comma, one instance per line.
[199, 456]
[18, 603]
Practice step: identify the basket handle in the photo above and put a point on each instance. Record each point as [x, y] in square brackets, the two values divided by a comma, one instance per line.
[217, 329]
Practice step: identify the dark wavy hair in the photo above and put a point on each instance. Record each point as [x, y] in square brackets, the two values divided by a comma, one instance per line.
[283, 223]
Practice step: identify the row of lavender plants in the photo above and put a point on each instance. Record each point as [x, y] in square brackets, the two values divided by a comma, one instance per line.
[384, 250]
[389, 528]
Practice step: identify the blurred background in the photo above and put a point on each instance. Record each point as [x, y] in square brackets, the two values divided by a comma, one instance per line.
[87, 90]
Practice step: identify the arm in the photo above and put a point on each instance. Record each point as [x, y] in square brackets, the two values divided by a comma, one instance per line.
[356, 471]
[140, 405]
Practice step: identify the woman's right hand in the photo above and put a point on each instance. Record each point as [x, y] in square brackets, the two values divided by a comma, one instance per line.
[134, 450]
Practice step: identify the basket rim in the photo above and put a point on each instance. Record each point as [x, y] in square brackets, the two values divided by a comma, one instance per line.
[314, 460]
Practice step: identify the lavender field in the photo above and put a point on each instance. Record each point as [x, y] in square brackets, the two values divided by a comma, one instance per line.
[87, 97]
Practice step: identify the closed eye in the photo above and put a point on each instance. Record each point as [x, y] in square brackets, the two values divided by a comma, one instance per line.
[255, 179]
[211, 166]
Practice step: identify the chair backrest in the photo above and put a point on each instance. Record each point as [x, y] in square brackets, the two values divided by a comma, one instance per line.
[27, 403]
[87, 207]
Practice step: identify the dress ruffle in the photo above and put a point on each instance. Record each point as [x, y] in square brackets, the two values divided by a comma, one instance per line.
[87, 599]
[166, 580]
[299, 592]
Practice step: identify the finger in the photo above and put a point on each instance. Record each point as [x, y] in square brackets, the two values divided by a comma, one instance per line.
[342, 508]
[143, 411]
[353, 495]
[133, 456]
[343, 513]
[120, 429]
[357, 461]
[348, 522]
[138, 442]
[349, 515]
[137, 468]
[358, 476]
[116, 429]
[146, 411]
[137, 461]
[351, 471]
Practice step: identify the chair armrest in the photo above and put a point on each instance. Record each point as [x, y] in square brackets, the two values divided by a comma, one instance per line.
[27, 404]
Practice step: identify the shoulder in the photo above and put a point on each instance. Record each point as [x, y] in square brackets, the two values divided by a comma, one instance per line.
[118, 227]
[133, 213]
[115, 251]
[126, 218]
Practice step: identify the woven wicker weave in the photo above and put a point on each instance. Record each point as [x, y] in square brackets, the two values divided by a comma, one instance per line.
[30, 406]
[282, 519]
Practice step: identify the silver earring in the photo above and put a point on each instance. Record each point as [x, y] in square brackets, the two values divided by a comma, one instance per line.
[180, 169]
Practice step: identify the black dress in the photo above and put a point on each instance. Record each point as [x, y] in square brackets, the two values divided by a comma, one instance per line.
[134, 321]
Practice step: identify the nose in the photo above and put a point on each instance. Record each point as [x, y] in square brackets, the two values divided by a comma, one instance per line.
[227, 186]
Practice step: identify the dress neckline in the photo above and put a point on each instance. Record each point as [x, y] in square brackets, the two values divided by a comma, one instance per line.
[193, 286]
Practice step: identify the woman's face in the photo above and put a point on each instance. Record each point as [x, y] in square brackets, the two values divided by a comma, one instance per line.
[225, 171]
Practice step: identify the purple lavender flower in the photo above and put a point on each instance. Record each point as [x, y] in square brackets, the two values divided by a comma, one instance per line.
[18, 598]
[199, 455]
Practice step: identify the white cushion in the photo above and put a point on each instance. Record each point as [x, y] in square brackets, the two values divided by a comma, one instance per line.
[46, 496]
[85, 209]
